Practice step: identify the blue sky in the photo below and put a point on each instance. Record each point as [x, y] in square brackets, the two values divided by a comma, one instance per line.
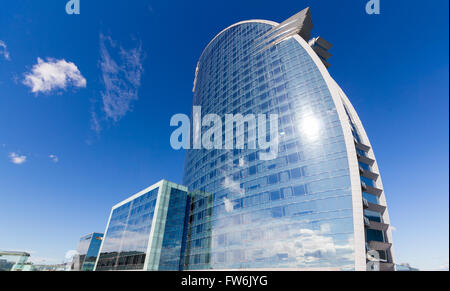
[65, 160]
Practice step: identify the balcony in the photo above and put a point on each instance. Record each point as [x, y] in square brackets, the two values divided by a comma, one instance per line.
[375, 225]
[371, 190]
[365, 160]
[379, 246]
[362, 147]
[321, 47]
[375, 207]
[368, 174]
[321, 52]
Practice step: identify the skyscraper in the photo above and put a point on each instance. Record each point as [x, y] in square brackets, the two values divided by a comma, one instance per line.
[320, 203]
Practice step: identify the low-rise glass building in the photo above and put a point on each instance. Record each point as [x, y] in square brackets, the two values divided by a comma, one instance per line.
[147, 231]
[13, 261]
[88, 249]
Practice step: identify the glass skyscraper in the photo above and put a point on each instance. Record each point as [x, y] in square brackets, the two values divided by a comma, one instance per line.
[320, 203]
[147, 232]
[87, 252]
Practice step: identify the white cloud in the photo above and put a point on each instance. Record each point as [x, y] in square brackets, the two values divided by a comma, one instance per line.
[228, 205]
[17, 159]
[70, 255]
[233, 186]
[4, 50]
[53, 74]
[121, 77]
[54, 158]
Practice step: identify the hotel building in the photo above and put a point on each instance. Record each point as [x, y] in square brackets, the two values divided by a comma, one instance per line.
[320, 204]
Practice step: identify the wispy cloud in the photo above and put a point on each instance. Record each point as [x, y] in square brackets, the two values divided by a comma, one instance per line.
[95, 123]
[54, 158]
[4, 50]
[121, 77]
[53, 74]
[17, 159]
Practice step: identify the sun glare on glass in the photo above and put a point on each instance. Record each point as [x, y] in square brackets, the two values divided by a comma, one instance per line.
[310, 127]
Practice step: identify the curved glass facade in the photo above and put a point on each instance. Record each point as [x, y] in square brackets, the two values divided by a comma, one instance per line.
[294, 211]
